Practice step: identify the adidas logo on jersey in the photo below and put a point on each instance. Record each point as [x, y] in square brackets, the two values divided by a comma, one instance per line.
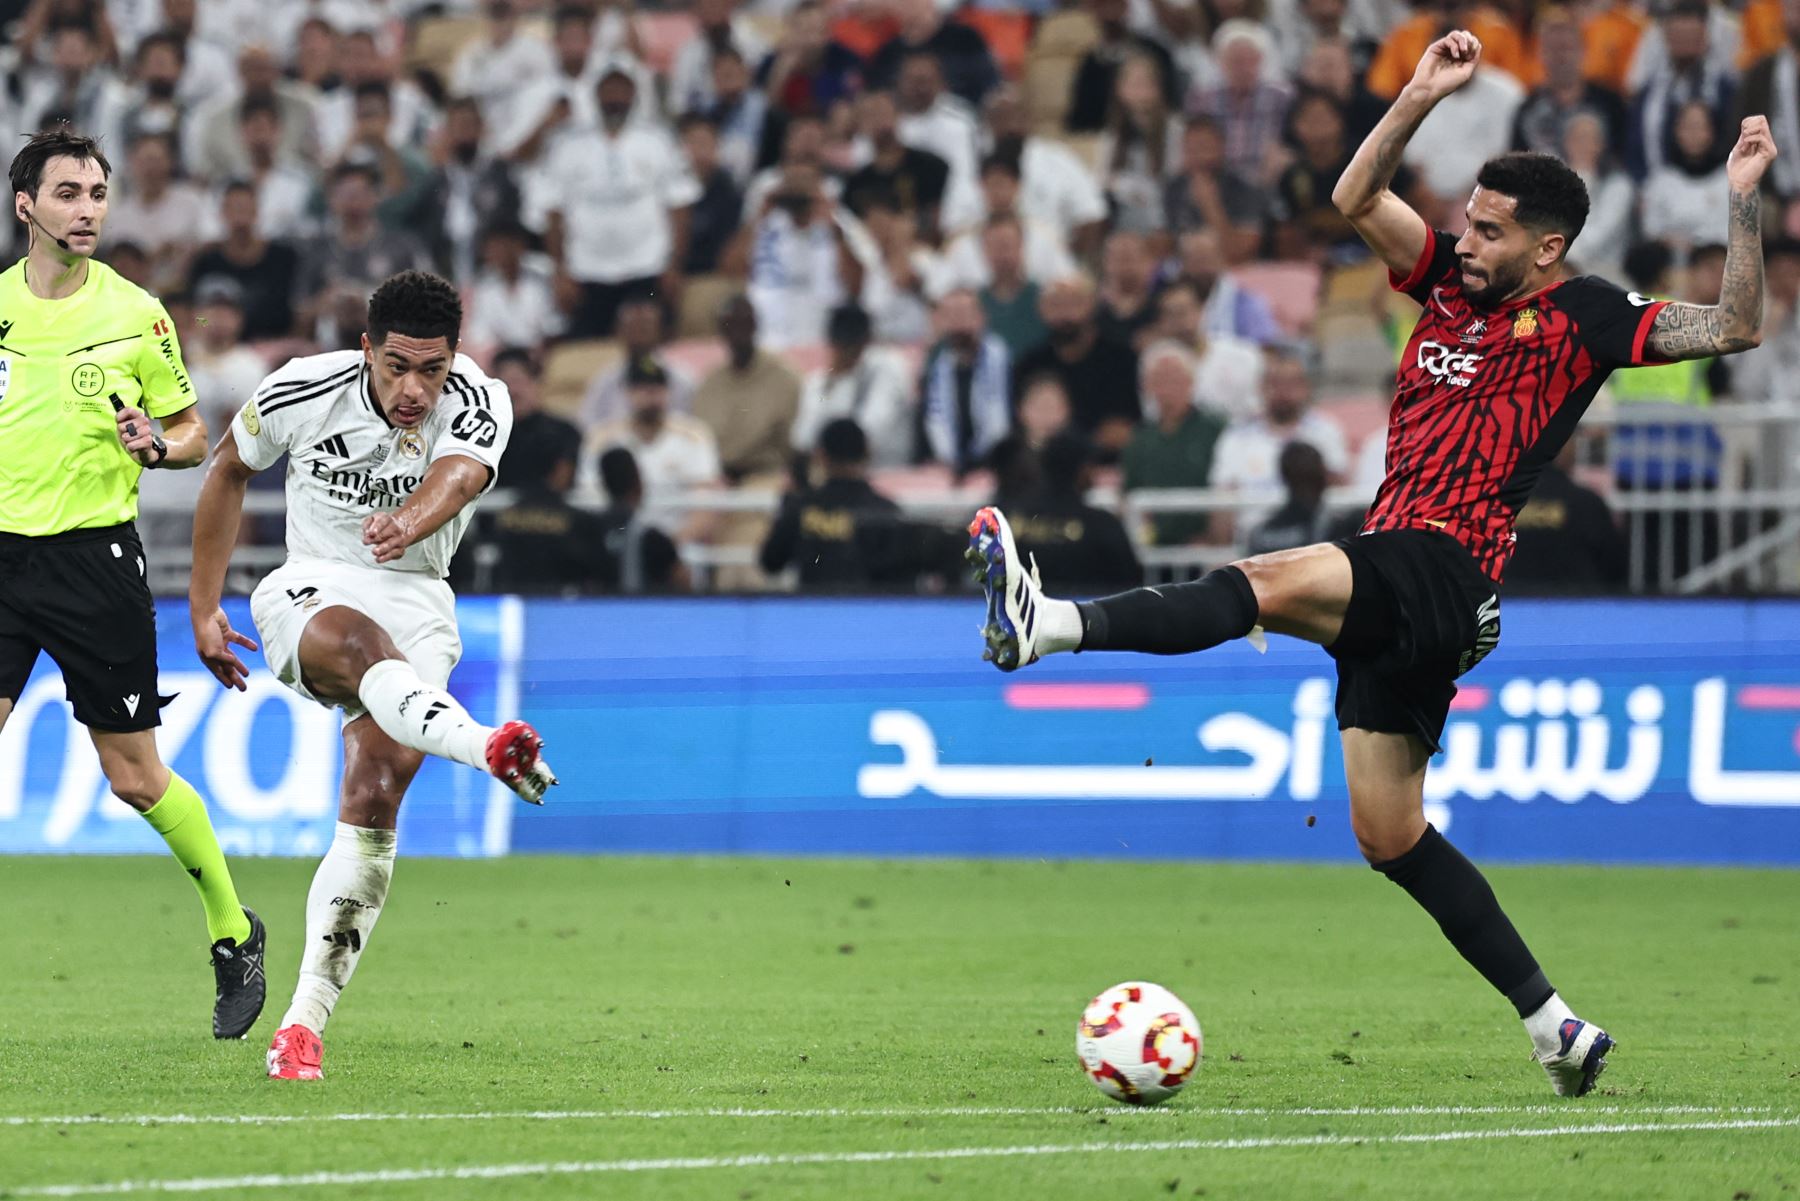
[335, 446]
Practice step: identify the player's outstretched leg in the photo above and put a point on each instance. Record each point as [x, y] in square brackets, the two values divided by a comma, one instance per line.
[1023, 624]
[1386, 773]
[174, 810]
[349, 891]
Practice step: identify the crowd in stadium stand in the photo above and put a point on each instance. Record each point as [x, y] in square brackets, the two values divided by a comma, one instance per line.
[842, 253]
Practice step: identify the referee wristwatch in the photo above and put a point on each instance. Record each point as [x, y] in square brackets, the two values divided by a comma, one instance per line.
[162, 451]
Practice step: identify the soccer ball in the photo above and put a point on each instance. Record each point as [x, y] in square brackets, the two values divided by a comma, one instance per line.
[1138, 1042]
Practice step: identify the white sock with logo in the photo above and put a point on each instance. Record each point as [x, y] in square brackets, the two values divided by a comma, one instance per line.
[346, 897]
[1545, 1025]
[422, 716]
[1059, 626]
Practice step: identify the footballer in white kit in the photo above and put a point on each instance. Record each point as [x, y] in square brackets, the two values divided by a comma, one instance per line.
[388, 449]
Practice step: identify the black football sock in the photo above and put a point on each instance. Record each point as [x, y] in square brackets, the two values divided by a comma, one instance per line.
[1454, 892]
[1171, 619]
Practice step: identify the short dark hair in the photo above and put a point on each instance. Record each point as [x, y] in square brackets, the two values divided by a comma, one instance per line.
[374, 87]
[1646, 264]
[1551, 198]
[253, 104]
[695, 119]
[28, 165]
[521, 355]
[849, 324]
[843, 442]
[161, 37]
[415, 304]
[361, 168]
[619, 473]
[1006, 164]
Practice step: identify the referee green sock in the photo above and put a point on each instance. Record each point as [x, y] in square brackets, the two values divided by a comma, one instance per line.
[180, 817]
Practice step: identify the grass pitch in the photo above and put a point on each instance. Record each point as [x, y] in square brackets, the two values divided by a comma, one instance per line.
[740, 1028]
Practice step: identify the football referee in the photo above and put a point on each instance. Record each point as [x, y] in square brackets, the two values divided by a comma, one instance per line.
[89, 365]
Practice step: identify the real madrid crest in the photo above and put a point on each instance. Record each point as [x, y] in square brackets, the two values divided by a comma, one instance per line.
[412, 446]
[1525, 324]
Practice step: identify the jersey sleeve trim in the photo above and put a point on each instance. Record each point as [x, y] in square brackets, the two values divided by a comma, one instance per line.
[1417, 275]
[1643, 332]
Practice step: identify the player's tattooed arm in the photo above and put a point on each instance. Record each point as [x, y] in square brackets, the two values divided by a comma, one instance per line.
[1693, 331]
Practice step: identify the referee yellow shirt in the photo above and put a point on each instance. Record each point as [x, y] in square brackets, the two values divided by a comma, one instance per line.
[62, 466]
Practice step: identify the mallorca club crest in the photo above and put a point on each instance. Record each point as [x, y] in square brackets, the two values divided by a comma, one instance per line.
[1525, 324]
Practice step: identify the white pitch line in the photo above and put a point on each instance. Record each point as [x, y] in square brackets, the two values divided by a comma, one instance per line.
[503, 1171]
[954, 1111]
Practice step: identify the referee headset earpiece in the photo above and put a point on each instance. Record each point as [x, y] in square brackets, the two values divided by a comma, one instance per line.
[28, 215]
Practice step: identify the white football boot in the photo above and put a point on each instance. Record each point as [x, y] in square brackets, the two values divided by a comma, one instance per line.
[1014, 594]
[1579, 1060]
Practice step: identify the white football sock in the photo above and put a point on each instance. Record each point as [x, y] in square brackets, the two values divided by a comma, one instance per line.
[1545, 1025]
[346, 897]
[422, 716]
[1059, 626]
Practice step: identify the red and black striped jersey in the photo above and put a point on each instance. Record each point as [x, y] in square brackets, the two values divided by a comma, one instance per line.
[1484, 398]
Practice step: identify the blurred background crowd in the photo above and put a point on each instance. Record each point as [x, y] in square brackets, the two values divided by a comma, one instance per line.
[783, 289]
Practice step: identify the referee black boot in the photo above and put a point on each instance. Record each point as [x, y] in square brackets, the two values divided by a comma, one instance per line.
[238, 974]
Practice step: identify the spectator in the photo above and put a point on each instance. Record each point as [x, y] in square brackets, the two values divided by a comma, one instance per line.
[1068, 538]
[154, 103]
[965, 398]
[714, 218]
[841, 534]
[674, 452]
[1231, 310]
[1330, 67]
[639, 557]
[226, 145]
[1685, 199]
[164, 215]
[1501, 46]
[962, 57]
[364, 68]
[472, 189]
[935, 120]
[865, 383]
[914, 179]
[1175, 448]
[750, 402]
[721, 28]
[265, 270]
[317, 56]
[1467, 128]
[545, 545]
[492, 67]
[1769, 88]
[74, 86]
[809, 73]
[1249, 106]
[355, 253]
[643, 335]
[1055, 185]
[1091, 95]
[801, 264]
[513, 298]
[283, 184]
[1099, 375]
[1543, 118]
[1127, 293]
[1566, 538]
[1770, 369]
[1045, 249]
[802, 143]
[1248, 455]
[616, 211]
[1684, 70]
[1208, 194]
[738, 113]
[559, 101]
[1139, 149]
[1309, 224]
[519, 369]
[205, 63]
[1302, 519]
[902, 274]
[1044, 412]
[130, 260]
[1302, 26]
[1612, 199]
[408, 201]
[1011, 298]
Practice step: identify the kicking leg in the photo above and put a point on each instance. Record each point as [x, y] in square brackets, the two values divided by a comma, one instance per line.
[346, 657]
[135, 771]
[348, 891]
[1386, 773]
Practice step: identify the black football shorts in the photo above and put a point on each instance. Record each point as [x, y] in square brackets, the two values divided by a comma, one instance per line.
[82, 597]
[1421, 614]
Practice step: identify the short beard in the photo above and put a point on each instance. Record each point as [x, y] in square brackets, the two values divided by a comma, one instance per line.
[1502, 284]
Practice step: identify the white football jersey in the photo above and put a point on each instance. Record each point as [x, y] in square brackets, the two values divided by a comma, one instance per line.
[345, 461]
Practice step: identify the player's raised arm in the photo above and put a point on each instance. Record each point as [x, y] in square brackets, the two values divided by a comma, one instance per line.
[216, 517]
[1700, 331]
[1387, 223]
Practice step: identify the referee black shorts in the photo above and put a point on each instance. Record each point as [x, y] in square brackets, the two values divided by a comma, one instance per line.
[1421, 614]
[82, 597]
